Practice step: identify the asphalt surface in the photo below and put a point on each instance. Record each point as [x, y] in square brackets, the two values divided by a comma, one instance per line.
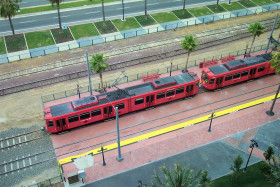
[215, 157]
[46, 20]
[31, 3]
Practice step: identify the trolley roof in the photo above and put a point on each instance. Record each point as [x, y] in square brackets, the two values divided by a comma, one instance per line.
[119, 94]
[237, 64]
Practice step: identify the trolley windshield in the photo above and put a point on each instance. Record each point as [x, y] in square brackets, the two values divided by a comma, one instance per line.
[205, 77]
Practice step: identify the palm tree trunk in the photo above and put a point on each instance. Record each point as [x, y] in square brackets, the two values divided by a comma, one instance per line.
[184, 6]
[103, 12]
[11, 24]
[58, 12]
[146, 8]
[186, 68]
[100, 75]
[217, 3]
[252, 45]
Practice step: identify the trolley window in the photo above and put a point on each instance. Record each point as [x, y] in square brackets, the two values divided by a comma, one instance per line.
[50, 123]
[236, 75]
[244, 73]
[73, 118]
[170, 92]
[160, 95]
[105, 111]
[189, 88]
[212, 81]
[139, 101]
[96, 112]
[120, 106]
[228, 77]
[179, 90]
[84, 115]
[205, 77]
[261, 68]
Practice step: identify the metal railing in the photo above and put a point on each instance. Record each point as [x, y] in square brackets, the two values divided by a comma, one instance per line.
[136, 32]
[138, 76]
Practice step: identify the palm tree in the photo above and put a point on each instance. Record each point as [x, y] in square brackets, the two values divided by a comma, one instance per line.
[103, 12]
[271, 171]
[8, 9]
[189, 45]
[180, 177]
[256, 29]
[184, 6]
[275, 61]
[57, 2]
[98, 65]
[146, 8]
[217, 3]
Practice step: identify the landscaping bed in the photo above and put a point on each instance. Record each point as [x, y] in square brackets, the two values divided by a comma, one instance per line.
[107, 28]
[129, 23]
[145, 20]
[39, 39]
[164, 17]
[85, 30]
[62, 35]
[15, 43]
[182, 14]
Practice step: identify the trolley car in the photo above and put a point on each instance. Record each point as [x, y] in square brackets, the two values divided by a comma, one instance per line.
[95, 108]
[236, 71]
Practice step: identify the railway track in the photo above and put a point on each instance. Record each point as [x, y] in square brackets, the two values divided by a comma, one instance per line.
[127, 132]
[16, 155]
[18, 140]
[157, 51]
[219, 33]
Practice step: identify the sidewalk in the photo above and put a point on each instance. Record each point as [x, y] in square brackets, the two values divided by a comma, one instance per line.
[214, 151]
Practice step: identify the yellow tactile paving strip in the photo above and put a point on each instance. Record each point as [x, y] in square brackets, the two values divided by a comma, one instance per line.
[169, 129]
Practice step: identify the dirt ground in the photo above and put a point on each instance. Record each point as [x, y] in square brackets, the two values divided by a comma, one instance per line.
[24, 109]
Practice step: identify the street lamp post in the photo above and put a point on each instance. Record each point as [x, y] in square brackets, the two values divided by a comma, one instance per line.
[102, 151]
[119, 157]
[253, 144]
[89, 80]
[270, 112]
[171, 68]
[211, 117]
[123, 11]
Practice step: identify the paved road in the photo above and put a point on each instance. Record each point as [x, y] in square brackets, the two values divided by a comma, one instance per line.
[90, 14]
[30, 3]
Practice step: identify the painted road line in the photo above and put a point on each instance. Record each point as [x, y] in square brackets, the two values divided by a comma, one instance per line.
[170, 129]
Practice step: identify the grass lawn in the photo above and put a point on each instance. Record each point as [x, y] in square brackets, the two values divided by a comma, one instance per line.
[15, 43]
[145, 21]
[164, 17]
[62, 6]
[39, 39]
[182, 14]
[61, 36]
[2, 46]
[85, 30]
[107, 28]
[216, 9]
[252, 178]
[129, 23]
[276, 1]
[247, 4]
[262, 2]
[200, 11]
[233, 6]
